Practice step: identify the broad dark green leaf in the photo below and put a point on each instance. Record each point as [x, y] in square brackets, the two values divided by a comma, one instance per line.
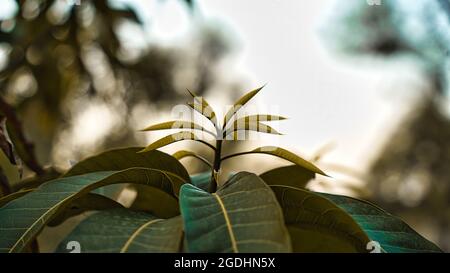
[178, 124]
[23, 218]
[321, 222]
[393, 235]
[122, 230]
[293, 175]
[88, 202]
[238, 105]
[201, 180]
[172, 139]
[156, 202]
[121, 159]
[281, 153]
[8, 198]
[316, 224]
[242, 216]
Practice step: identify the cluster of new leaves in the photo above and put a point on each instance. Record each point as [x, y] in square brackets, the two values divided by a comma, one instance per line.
[178, 212]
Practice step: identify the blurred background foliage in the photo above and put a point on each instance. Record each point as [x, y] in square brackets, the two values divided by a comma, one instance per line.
[78, 79]
[410, 176]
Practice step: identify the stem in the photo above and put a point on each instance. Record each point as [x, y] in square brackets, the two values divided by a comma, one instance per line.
[216, 166]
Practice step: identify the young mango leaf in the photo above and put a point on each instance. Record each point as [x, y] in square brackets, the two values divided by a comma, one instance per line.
[250, 126]
[178, 124]
[203, 107]
[392, 234]
[183, 153]
[172, 139]
[242, 216]
[238, 105]
[281, 153]
[88, 202]
[122, 230]
[293, 175]
[316, 224]
[23, 218]
[125, 158]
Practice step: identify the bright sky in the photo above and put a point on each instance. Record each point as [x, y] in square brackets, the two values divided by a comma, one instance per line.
[352, 105]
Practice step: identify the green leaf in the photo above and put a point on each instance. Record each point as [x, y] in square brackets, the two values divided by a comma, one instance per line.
[293, 175]
[120, 159]
[202, 106]
[125, 158]
[6, 199]
[242, 216]
[320, 222]
[23, 218]
[88, 202]
[122, 230]
[281, 153]
[172, 139]
[183, 153]
[394, 235]
[156, 202]
[316, 224]
[178, 124]
[239, 103]
[201, 180]
[248, 126]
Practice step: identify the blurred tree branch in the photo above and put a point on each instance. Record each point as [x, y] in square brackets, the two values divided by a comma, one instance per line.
[23, 146]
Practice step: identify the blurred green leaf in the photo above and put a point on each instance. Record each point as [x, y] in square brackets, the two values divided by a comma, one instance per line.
[242, 216]
[122, 230]
[11, 171]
